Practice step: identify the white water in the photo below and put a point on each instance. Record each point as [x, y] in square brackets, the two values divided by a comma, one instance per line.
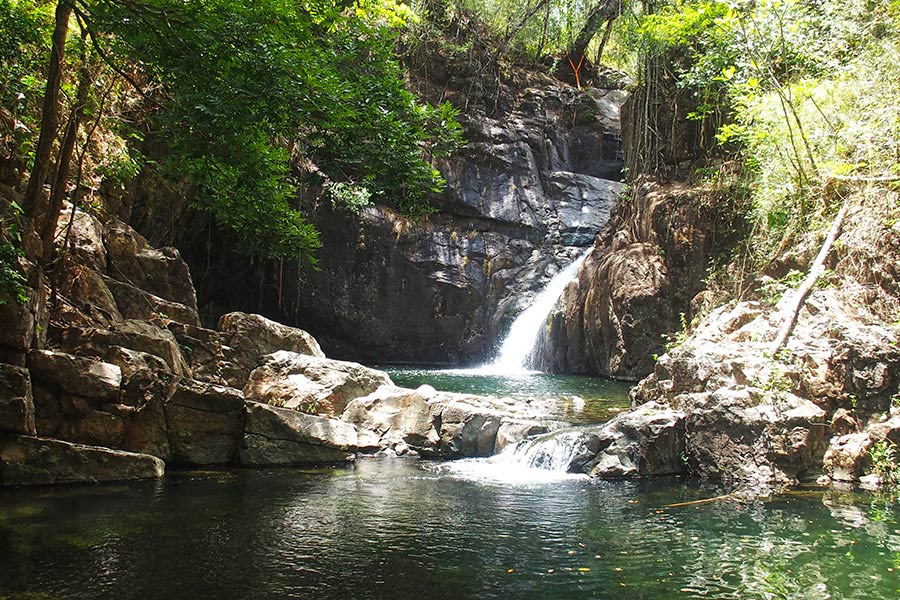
[532, 461]
[543, 459]
[523, 333]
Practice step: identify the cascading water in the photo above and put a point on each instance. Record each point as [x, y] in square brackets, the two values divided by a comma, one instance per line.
[524, 331]
[544, 458]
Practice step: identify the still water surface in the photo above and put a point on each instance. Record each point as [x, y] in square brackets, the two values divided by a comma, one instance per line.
[404, 529]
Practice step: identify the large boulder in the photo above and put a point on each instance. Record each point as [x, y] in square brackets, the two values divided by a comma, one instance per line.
[439, 424]
[159, 271]
[392, 416]
[205, 423]
[26, 460]
[76, 375]
[133, 334]
[311, 384]
[254, 336]
[277, 436]
[84, 235]
[16, 401]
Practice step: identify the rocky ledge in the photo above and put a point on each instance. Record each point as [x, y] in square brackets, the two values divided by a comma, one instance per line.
[813, 410]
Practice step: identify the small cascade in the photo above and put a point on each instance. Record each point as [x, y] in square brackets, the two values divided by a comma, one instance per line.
[542, 459]
[523, 333]
[552, 451]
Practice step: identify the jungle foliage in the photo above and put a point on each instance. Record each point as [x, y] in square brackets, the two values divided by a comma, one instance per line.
[233, 101]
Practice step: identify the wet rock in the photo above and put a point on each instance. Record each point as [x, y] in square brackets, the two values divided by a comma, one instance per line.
[16, 401]
[277, 436]
[28, 460]
[310, 384]
[75, 375]
[159, 271]
[205, 423]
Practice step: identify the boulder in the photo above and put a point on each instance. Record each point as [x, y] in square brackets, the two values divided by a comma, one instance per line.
[159, 271]
[277, 436]
[75, 375]
[88, 301]
[135, 303]
[310, 384]
[145, 377]
[16, 401]
[649, 440]
[210, 357]
[85, 239]
[132, 334]
[26, 460]
[847, 457]
[254, 336]
[205, 423]
[439, 424]
[393, 415]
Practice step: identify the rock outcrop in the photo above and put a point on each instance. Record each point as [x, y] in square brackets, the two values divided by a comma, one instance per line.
[637, 285]
[278, 436]
[26, 460]
[818, 405]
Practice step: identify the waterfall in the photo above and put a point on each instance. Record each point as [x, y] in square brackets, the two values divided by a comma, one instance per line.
[523, 333]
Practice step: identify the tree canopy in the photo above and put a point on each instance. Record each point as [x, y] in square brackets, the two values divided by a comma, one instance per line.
[243, 96]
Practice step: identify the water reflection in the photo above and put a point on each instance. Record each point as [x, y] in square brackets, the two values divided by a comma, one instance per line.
[404, 529]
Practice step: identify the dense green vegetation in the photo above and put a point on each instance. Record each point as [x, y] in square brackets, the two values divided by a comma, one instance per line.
[238, 103]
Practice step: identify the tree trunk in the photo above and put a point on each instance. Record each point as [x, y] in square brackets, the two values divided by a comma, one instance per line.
[35, 203]
[64, 160]
[603, 11]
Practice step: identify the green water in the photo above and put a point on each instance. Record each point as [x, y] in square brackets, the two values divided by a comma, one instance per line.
[602, 398]
[402, 529]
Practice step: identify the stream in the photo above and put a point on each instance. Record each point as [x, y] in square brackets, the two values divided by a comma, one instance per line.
[406, 529]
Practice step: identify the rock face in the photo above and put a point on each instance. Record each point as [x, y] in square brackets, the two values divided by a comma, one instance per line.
[770, 420]
[637, 285]
[130, 379]
[310, 384]
[28, 460]
[16, 401]
[205, 423]
[530, 189]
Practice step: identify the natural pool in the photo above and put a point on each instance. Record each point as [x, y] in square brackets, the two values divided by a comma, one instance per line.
[583, 399]
[404, 529]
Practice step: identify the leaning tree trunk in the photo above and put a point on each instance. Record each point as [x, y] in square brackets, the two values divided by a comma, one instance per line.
[602, 12]
[35, 203]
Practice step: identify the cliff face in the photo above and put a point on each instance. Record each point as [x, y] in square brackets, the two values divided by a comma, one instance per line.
[637, 285]
[529, 189]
